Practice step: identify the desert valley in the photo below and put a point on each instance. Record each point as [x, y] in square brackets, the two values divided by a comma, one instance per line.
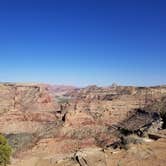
[50, 125]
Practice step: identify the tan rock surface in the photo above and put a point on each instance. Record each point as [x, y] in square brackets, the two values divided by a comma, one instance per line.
[152, 153]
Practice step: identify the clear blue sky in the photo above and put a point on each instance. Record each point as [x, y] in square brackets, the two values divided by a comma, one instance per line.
[83, 42]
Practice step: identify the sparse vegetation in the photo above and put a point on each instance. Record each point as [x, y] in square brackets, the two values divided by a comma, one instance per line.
[5, 151]
[132, 139]
[159, 106]
[62, 100]
[19, 141]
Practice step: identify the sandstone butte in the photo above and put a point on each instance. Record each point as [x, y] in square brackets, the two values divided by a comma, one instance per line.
[92, 126]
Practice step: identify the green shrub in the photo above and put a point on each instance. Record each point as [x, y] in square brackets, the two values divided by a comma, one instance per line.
[5, 151]
[62, 99]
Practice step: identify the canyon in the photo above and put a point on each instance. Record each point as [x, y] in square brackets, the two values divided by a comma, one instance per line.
[51, 125]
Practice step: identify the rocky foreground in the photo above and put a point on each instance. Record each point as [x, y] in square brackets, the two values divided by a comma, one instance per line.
[93, 126]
